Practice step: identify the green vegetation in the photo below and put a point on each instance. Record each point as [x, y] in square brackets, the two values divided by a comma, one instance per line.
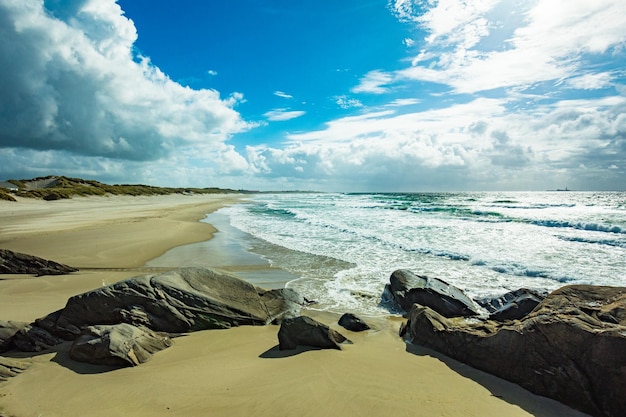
[57, 188]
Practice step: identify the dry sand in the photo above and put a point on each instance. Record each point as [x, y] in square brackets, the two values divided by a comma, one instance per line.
[236, 372]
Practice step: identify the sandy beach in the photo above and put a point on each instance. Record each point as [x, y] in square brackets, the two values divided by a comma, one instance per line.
[236, 372]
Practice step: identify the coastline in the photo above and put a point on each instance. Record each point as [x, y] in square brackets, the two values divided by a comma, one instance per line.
[222, 372]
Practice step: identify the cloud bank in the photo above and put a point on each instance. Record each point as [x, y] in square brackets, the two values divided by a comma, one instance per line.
[496, 94]
[72, 88]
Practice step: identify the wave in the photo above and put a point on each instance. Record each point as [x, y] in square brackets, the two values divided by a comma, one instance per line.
[593, 227]
[607, 242]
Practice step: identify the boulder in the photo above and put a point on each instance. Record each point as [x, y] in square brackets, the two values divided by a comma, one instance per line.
[306, 331]
[513, 305]
[406, 288]
[117, 345]
[8, 329]
[21, 263]
[351, 322]
[177, 301]
[571, 347]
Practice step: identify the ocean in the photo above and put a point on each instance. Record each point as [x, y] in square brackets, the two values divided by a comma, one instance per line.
[340, 249]
[344, 247]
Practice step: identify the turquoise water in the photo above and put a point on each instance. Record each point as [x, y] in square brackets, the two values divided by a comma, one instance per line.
[342, 248]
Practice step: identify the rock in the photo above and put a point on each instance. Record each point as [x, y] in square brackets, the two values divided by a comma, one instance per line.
[32, 338]
[282, 303]
[8, 329]
[11, 367]
[406, 288]
[351, 322]
[308, 332]
[177, 301]
[117, 345]
[513, 305]
[20, 263]
[571, 348]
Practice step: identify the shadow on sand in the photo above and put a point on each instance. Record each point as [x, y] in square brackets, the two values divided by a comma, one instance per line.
[276, 353]
[512, 393]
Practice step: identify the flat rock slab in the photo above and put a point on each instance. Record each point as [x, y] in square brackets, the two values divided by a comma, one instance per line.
[21, 263]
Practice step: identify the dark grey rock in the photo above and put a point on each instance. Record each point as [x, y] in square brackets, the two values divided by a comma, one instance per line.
[178, 301]
[21, 263]
[305, 331]
[513, 305]
[571, 348]
[353, 323]
[118, 345]
[406, 288]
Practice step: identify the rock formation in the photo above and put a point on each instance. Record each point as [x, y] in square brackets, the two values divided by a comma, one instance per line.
[406, 288]
[120, 344]
[305, 331]
[513, 305]
[178, 301]
[571, 348]
[21, 263]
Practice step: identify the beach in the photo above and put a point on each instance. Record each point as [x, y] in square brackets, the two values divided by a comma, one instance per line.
[233, 372]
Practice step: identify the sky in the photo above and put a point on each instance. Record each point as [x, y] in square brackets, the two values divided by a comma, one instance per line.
[351, 95]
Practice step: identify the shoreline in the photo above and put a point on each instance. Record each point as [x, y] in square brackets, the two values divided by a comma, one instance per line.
[231, 372]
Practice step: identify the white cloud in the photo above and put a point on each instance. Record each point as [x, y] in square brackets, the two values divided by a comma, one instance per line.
[281, 115]
[591, 81]
[401, 102]
[212, 72]
[374, 82]
[80, 90]
[346, 102]
[475, 145]
[282, 94]
[548, 40]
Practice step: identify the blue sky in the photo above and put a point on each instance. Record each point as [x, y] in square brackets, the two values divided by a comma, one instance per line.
[381, 95]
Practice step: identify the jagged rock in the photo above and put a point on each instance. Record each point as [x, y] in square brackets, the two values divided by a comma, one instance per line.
[8, 329]
[21, 263]
[351, 322]
[306, 331]
[117, 345]
[32, 338]
[513, 305]
[406, 288]
[11, 367]
[571, 348]
[177, 301]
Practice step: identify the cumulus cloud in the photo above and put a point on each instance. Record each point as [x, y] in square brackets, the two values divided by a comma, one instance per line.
[474, 145]
[70, 83]
[281, 115]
